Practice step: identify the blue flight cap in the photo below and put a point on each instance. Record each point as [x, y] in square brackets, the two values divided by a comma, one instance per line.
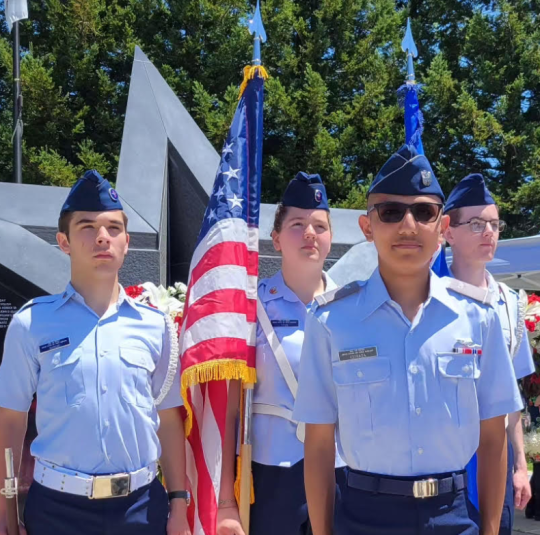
[407, 173]
[92, 193]
[471, 191]
[306, 191]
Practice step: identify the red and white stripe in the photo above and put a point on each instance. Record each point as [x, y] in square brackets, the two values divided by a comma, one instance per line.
[220, 322]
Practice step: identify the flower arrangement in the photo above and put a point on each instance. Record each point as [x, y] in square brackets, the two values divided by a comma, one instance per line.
[531, 443]
[532, 320]
[531, 384]
[169, 300]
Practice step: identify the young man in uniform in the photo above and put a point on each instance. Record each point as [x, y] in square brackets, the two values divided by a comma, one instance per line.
[473, 234]
[105, 370]
[414, 372]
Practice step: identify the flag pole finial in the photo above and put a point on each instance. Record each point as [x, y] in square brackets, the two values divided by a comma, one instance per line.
[408, 46]
[256, 27]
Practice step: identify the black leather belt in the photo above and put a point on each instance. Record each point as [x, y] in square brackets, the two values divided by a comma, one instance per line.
[427, 487]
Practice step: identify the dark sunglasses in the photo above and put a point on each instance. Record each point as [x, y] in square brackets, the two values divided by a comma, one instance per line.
[394, 212]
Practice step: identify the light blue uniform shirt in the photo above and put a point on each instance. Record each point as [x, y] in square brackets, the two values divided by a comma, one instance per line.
[522, 359]
[404, 402]
[95, 378]
[274, 438]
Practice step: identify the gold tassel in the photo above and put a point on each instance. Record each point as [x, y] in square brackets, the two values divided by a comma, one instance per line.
[215, 370]
[237, 483]
[239, 462]
[249, 73]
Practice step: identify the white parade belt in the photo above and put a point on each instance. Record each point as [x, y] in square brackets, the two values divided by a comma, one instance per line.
[94, 487]
[281, 412]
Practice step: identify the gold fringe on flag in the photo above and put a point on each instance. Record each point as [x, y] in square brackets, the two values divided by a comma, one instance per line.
[249, 73]
[214, 370]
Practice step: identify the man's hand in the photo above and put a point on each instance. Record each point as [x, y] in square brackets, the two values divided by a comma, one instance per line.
[228, 522]
[522, 489]
[178, 523]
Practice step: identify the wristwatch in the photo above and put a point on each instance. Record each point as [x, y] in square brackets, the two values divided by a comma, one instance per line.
[182, 494]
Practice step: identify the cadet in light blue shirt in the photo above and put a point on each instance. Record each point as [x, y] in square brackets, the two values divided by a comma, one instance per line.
[473, 235]
[102, 367]
[414, 373]
[302, 234]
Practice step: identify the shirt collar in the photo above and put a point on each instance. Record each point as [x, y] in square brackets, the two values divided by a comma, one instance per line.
[71, 293]
[494, 287]
[277, 289]
[375, 294]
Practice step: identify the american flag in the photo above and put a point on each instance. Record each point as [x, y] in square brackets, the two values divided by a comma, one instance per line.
[219, 329]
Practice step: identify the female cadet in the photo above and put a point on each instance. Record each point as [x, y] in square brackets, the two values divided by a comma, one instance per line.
[302, 234]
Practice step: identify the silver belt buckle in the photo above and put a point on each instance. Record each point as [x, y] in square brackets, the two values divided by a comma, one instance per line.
[426, 488]
[114, 486]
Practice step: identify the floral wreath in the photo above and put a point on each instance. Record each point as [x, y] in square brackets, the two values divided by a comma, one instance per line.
[169, 300]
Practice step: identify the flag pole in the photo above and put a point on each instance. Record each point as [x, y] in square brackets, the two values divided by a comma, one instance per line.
[17, 106]
[246, 456]
[256, 27]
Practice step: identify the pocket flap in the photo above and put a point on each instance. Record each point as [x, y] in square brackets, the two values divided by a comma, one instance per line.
[63, 358]
[368, 370]
[137, 356]
[458, 366]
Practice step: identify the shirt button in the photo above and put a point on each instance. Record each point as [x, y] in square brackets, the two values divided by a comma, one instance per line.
[420, 451]
[359, 374]
[414, 369]
[418, 411]
[467, 369]
[106, 423]
[104, 388]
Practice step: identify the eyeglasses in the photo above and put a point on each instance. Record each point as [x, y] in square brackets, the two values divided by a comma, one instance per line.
[394, 212]
[478, 224]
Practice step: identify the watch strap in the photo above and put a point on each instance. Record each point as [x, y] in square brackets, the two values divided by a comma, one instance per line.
[181, 494]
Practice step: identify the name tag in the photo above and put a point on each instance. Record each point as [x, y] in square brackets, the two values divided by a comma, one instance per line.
[360, 353]
[284, 323]
[57, 344]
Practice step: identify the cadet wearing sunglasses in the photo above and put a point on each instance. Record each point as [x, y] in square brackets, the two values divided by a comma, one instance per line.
[391, 365]
[394, 212]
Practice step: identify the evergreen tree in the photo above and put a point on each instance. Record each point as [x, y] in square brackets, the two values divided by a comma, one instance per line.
[331, 104]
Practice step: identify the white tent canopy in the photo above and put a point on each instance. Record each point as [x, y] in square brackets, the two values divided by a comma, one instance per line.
[516, 262]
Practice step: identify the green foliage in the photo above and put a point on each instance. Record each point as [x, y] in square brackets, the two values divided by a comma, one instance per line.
[330, 105]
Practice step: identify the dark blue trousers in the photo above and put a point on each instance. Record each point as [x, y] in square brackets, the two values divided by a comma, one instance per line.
[368, 513]
[507, 517]
[280, 506]
[50, 512]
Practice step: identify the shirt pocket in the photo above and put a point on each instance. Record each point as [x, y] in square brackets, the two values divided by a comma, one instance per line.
[360, 387]
[69, 367]
[137, 369]
[457, 374]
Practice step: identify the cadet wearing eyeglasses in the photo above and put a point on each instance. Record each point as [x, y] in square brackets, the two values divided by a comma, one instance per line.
[414, 373]
[473, 235]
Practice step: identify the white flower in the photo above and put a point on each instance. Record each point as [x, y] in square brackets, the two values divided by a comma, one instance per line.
[160, 297]
[531, 442]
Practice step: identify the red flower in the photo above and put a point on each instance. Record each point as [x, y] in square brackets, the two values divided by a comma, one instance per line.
[531, 325]
[533, 298]
[179, 320]
[134, 291]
